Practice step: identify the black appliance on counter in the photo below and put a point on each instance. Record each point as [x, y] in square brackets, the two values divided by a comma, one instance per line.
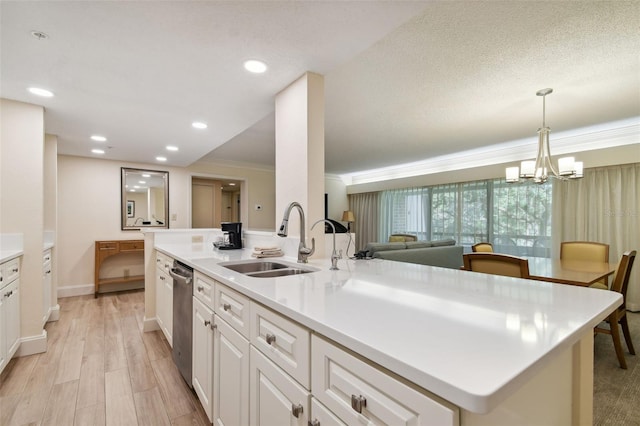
[232, 236]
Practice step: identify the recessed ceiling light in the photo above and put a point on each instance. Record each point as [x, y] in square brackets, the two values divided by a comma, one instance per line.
[142, 182]
[98, 138]
[161, 158]
[232, 184]
[199, 125]
[40, 92]
[172, 148]
[146, 175]
[256, 67]
[97, 151]
[39, 35]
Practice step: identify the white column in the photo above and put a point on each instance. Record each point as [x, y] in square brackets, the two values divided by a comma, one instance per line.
[300, 155]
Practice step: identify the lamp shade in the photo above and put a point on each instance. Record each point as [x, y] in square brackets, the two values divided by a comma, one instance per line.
[347, 216]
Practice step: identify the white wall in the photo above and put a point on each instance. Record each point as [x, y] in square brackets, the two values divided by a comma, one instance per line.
[21, 202]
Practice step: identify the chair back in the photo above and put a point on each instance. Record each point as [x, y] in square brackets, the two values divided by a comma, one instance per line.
[621, 279]
[482, 248]
[402, 238]
[497, 264]
[584, 250]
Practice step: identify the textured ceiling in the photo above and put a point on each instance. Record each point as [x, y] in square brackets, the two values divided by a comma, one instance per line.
[404, 81]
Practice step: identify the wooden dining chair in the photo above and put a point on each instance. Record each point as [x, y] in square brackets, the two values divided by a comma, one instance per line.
[497, 264]
[589, 251]
[482, 248]
[619, 316]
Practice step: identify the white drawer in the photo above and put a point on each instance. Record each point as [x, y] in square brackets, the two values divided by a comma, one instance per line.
[233, 307]
[163, 261]
[203, 287]
[283, 341]
[10, 271]
[358, 393]
[320, 415]
[46, 258]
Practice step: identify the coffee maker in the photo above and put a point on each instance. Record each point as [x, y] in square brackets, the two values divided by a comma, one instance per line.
[232, 235]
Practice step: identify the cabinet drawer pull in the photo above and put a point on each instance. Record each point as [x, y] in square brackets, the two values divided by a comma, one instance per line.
[226, 306]
[270, 338]
[158, 260]
[200, 288]
[358, 403]
[314, 422]
[296, 410]
[49, 271]
[161, 277]
[15, 269]
[207, 323]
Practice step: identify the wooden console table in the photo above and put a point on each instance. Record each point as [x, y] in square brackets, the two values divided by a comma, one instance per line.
[106, 249]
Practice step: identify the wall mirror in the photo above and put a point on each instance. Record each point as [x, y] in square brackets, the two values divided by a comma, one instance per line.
[145, 199]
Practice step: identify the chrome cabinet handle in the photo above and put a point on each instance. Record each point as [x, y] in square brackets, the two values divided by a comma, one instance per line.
[226, 306]
[270, 338]
[314, 422]
[358, 403]
[296, 410]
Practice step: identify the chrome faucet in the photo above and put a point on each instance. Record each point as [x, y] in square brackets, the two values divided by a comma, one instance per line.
[334, 255]
[303, 251]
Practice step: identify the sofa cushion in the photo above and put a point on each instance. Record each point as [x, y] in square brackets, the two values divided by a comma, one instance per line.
[447, 242]
[375, 247]
[443, 256]
[419, 244]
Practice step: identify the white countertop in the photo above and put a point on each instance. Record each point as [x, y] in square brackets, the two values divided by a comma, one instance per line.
[470, 338]
[9, 254]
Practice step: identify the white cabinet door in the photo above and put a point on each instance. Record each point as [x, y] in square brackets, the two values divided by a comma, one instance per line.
[230, 376]
[3, 333]
[321, 416]
[164, 304]
[202, 355]
[275, 398]
[46, 283]
[359, 393]
[12, 310]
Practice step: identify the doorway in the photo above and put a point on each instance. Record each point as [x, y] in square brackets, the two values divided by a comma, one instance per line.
[214, 201]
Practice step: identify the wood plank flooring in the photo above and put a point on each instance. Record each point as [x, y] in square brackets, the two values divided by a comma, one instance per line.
[99, 369]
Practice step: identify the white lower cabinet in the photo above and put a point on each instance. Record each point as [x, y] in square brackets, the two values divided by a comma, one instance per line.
[164, 296]
[202, 355]
[230, 376]
[9, 310]
[46, 283]
[275, 397]
[359, 393]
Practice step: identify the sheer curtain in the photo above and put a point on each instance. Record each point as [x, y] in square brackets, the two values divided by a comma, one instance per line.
[604, 206]
[404, 211]
[365, 210]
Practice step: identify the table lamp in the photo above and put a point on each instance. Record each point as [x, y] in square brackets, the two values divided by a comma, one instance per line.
[347, 216]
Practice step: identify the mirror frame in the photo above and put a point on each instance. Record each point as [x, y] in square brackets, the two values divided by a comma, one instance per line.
[123, 199]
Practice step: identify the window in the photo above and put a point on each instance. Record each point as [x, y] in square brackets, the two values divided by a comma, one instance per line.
[516, 219]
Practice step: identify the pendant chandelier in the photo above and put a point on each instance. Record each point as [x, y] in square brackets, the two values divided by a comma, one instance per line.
[542, 168]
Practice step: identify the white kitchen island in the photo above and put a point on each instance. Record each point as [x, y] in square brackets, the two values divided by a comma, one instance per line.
[496, 350]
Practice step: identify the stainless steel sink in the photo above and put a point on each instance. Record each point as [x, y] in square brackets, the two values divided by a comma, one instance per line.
[266, 268]
[249, 267]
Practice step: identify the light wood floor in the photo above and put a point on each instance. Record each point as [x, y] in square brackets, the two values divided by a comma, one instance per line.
[99, 369]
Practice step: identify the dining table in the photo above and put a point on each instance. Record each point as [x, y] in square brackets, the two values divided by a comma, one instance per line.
[564, 271]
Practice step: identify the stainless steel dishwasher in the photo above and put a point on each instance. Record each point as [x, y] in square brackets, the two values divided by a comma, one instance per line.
[182, 317]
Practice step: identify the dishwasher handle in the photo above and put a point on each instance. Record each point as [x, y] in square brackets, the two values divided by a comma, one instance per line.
[176, 276]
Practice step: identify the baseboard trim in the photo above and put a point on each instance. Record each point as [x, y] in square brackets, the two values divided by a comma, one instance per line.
[33, 345]
[633, 307]
[84, 289]
[54, 313]
[75, 290]
[150, 324]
